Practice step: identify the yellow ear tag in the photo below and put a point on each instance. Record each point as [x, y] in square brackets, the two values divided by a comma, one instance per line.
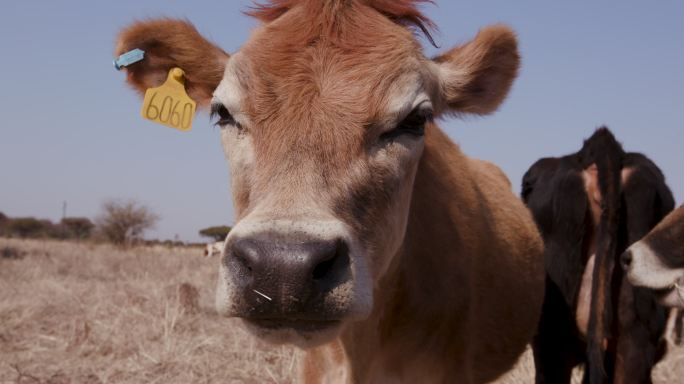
[168, 104]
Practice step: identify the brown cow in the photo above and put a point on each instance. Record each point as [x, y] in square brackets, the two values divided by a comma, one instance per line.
[363, 233]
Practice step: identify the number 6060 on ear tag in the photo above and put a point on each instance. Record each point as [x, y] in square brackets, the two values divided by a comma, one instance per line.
[168, 104]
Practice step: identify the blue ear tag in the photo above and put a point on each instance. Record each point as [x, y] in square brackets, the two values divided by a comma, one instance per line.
[129, 58]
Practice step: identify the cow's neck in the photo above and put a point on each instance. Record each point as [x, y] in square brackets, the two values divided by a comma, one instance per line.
[423, 296]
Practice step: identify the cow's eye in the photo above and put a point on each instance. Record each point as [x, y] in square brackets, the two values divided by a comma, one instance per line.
[223, 116]
[413, 124]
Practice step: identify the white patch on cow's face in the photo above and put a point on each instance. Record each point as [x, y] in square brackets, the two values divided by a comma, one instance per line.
[230, 91]
[236, 141]
[239, 151]
[404, 96]
[647, 270]
[397, 162]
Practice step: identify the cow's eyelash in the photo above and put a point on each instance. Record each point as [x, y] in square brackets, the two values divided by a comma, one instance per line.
[413, 124]
[223, 116]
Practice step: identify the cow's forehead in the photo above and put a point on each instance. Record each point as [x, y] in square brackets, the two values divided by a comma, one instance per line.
[351, 71]
[331, 110]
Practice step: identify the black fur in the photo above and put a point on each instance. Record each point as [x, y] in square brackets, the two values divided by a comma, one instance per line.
[629, 319]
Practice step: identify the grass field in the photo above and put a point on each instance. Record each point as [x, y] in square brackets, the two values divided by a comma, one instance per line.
[86, 313]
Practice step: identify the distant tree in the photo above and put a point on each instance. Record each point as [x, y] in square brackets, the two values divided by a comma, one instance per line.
[217, 233]
[78, 227]
[3, 223]
[172, 243]
[123, 222]
[57, 231]
[26, 227]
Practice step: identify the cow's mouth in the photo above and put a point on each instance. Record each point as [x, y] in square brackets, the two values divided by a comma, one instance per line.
[304, 333]
[298, 325]
[662, 292]
[675, 287]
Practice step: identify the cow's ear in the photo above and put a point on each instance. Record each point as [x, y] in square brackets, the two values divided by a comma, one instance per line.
[476, 77]
[172, 43]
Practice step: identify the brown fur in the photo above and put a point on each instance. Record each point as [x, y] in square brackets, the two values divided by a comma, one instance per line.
[666, 238]
[483, 71]
[414, 331]
[170, 43]
[396, 10]
[460, 298]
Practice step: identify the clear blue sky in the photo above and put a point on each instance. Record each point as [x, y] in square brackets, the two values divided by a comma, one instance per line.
[71, 130]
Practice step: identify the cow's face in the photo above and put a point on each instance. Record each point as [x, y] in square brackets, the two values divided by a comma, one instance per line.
[657, 261]
[323, 127]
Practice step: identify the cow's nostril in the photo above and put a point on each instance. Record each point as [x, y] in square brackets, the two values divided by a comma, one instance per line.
[626, 259]
[245, 254]
[243, 262]
[323, 268]
[296, 272]
[332, 263]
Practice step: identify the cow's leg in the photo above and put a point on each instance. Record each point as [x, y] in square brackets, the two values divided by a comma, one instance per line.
[642, 323]
[555, 345]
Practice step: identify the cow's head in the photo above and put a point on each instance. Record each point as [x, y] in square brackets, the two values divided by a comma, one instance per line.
[657, 261]
[323, 114]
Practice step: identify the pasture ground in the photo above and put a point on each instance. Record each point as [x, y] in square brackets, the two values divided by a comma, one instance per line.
[87, 313]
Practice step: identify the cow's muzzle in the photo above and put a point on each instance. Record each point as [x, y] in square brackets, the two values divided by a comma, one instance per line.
[289, 284]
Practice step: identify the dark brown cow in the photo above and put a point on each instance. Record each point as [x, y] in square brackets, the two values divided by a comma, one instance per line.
[363, 233]
[589, 207]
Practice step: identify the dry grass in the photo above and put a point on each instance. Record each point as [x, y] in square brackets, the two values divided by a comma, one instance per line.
[83, 313]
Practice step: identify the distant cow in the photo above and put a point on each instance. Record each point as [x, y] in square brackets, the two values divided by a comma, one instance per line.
[213, 249]
[589, 207]
[656, 262]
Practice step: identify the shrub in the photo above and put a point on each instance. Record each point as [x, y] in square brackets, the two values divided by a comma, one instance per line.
[3, 223]
[124, 222]
[217, 233]
[25, 227]
[78, 227]
[172, 243]
[57, 231]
